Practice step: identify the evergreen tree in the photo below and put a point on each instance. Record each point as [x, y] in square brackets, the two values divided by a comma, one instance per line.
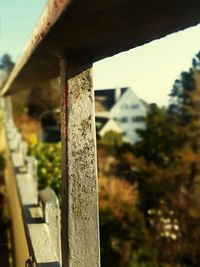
[7, 63]
[186, 106]
[169, 183]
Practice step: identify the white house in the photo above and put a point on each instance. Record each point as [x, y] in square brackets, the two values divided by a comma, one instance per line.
[120, 110]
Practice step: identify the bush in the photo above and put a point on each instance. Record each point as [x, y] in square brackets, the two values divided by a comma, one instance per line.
[49, 165]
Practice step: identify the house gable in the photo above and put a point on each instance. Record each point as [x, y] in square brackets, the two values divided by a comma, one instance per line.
[127, 112]
[111, 125]
[105, 99]
[121, 113]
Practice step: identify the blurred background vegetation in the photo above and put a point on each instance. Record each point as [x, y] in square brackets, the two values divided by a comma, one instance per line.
[148, 192]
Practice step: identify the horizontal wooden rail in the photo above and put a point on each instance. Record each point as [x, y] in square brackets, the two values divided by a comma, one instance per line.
[107, 28]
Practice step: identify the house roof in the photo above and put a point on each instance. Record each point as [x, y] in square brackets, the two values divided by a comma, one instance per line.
[144, 102]
[100, 122]
[106, 98]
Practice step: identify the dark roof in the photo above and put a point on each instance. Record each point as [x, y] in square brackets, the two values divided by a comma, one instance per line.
[100, 122]
[144, 102]
[106, 98]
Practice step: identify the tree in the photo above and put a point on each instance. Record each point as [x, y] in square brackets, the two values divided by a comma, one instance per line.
[7, 63]
[169, 181]
[125, 239]
[160, 138]
[186, 106]
[112, 138]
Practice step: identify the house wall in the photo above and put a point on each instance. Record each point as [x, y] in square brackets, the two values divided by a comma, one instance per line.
[111, 125]
[126, 113]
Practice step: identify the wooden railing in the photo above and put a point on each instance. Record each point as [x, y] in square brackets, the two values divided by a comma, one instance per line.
[35, 214]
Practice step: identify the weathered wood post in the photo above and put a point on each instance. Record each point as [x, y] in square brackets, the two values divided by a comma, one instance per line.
[80, 220]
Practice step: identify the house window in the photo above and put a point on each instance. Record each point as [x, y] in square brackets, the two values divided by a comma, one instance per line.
[123, 119]
[135, 106]
[137, 119]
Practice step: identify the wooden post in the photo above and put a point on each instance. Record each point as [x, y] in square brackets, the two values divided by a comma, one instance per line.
[79, 208]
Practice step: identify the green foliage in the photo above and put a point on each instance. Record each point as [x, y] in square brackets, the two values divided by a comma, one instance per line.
[161, 226]
[49, 165]
[125, 241]
[127, 162]
[160, 138]
[169, 172]
[111, 138]
[7, 63]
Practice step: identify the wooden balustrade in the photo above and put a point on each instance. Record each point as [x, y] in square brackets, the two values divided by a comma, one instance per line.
[35, 215]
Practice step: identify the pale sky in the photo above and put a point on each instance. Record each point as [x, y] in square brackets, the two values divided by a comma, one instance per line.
[150, 69]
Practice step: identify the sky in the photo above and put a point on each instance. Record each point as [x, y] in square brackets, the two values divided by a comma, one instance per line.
[17, 21]
[149, 69]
